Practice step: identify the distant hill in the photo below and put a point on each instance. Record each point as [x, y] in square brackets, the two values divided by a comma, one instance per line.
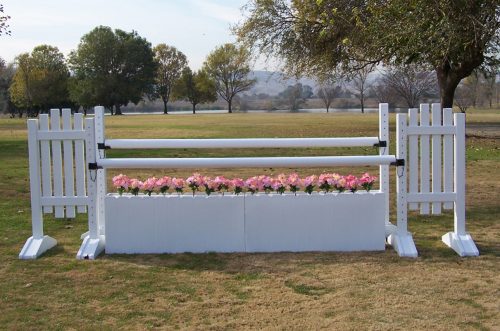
[273, 83]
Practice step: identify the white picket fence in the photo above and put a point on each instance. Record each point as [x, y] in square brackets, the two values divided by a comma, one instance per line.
[64, 181]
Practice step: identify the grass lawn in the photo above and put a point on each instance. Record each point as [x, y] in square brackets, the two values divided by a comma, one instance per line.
[355, 291]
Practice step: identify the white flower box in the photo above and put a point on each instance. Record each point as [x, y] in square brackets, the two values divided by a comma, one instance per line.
[245, 223]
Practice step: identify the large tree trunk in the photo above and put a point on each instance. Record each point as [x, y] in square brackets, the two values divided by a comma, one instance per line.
[229, 106]
[448, 82]
[362, 99]
[118, 111]
[194, 108]
[165, 108]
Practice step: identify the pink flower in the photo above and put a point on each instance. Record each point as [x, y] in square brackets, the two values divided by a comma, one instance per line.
[351, 183]
[237, 185]
[195, 181]
[209, 185]
[121, 182]
[309, 183]
[293, 181]
[178, 184]
[279, 184]
[149, 185]
[366, 181]
[267, 183]
[254, 184]
[221, 183]
[163, 184]
[134, 186]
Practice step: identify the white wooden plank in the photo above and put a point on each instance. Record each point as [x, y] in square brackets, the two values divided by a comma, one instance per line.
[91, 179]
[46, 166]
[69, 179]
[431, 130]
[447, 157]
[35, 189]
[431, 197]
[424, 157]
[402, 203]
[413, 156]
[459, 159]
[63, 201]
[437, 166]
[79, 163]
[384, 169]
[101, 173]
[55, 125]
[61, 135]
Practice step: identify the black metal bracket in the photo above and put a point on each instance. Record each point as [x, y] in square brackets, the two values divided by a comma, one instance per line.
[399, 163]
[102, 146]
[381, 143]
[94, 166]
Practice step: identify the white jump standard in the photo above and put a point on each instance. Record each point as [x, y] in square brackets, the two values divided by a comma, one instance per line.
[246, 223]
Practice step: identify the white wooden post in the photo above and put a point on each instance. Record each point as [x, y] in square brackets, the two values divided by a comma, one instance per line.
[69, 178]
[413, 157]
[424, 158]
[437, 166]
[93, 242]
[460, 240]
[448, 157]
[101, 173]
[38, 242]
[402, 240]
[55, 125]
[383, 126]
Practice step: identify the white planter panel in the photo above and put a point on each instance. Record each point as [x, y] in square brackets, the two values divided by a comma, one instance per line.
[317, 222]
[251, 223]
[174, 224]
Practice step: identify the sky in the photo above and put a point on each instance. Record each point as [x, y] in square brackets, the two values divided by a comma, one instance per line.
[195, 27]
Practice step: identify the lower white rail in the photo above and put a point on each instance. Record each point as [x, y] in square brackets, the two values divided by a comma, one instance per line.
[248, 162]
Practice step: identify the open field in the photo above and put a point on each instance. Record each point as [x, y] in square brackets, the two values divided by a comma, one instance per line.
[357, 291]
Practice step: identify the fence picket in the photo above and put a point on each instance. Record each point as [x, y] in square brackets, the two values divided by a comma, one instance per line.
[436, 157]
[413, 157]
[69, 180]
[424, 158]
[448, 157]
[55, 125]
[46, 166]
[79, 163]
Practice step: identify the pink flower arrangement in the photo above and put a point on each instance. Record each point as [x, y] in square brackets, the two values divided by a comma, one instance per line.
[281, 183]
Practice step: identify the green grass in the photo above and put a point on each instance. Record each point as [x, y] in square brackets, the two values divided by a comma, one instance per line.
[438, 290]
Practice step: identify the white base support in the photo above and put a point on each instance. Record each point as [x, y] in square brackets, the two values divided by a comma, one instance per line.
[390, 228]
[462, 244]
[85, 234]
[33, 248]
[403, 244]
[91, 248]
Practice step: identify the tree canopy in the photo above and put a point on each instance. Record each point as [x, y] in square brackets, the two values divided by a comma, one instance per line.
[228, 65]
[41, 80]
[111, 68]
[195, 87]
[314, 36]
[171, 62]
[4, 26]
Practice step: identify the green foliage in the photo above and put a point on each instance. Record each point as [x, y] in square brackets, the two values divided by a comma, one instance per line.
[170, 63]
[314, 37]
[111, 68]
[41, 80]
[4, 27]
[6, 75]
[295, 95]
[195, 87]
[228, 66]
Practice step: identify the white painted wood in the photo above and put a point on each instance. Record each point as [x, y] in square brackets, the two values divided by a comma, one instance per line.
[69, 178]
[35, 188]
[460, 174]
[424, 157]
[258, 223]
[413, 156]
[402, 206]
[431, 197]
[80, 163]
[247, 162]
[62, 135]
[447, 157]
[462, 244]
[64, 201]
[384, 169]
[57, 167]
[437, 156]
[241, 143]
[46, 164]
[91, 179]
[431, 130]
[101, 173]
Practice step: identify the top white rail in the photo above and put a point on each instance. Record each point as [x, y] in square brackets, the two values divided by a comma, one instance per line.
[241, 143]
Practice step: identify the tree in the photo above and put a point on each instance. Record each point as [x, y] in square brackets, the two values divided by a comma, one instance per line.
[296, 95]
[6, 75]
[170, 62]
[112, 68]
[40, 81]
[228, 66]
[315, 36]
[4, 26]
[409, 82]
[195, 87]
[360, 85]
[328, 92]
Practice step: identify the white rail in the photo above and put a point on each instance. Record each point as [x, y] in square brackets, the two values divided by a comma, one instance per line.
[241, 143]
[248, 162]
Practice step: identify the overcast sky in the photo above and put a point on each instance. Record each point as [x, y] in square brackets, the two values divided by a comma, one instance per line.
[193, 26]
